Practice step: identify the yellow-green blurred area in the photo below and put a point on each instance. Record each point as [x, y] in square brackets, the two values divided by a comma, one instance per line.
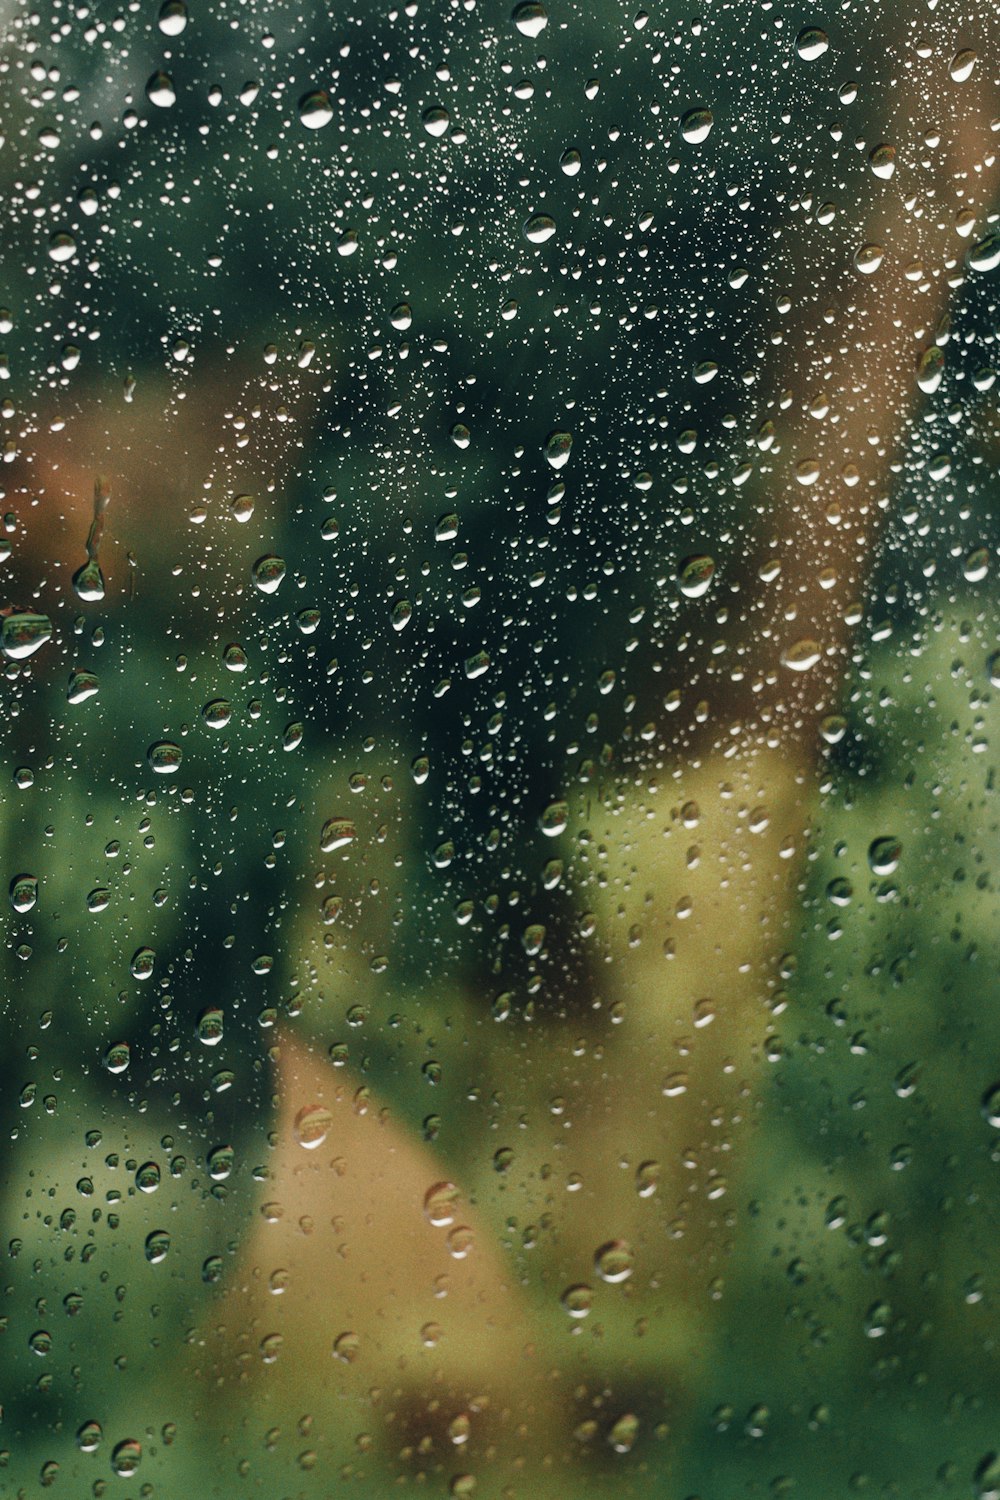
[498, 795]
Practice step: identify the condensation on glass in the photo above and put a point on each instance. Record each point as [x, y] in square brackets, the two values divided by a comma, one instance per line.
[500, 653]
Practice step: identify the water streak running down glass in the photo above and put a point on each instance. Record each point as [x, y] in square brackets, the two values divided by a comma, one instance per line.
[499, 804]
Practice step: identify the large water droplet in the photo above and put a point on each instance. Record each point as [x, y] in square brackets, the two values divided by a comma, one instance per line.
[22, 633]
[695, 574]
[88, 581]
[268, 571]
[313, 1124]
[884, 855]
[801, 655]
[164, 757]
[173, 17]
[985, 254]
[614, 1261]
[315, 109]
[557, 449]
[696, 125]
[811, 43]
[530, 18]
[23, 892]
[962, 64]
[160, 90]
[539, 228]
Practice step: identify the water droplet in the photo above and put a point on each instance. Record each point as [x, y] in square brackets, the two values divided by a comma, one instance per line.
[117, 1057]
[347, 1347]
[313, 1124]
[337, 832]
[554, 819]
[476, 665]
[220, 1162]
[88, 1437]
[991, 1106]
[241, 508]
[147, 1177]
[557, 448]
[218, 713]
[235, 658]
[160, 90]
[884, 856]
[401, 316]
[164, 757]
[930, 369]
[647, 1178]
[210, 1026]
[868, 259]
[126, 1457]
[570, 162]
[882, 160]
[143, 960]
[993, 669]
[62, 247]
[577, 1300]
[986, 1478]
[268, 571]
[460, 1241]
[98, 899]
[435, 120]
[695, 574]
[614, 1261]
[530, 18]
[401, 615]
[40, 1342]
[315, 109]
[976, 565]
[173, 17]
[23, 892]
[539, 228]
[811, 43]
[801, 656]
[22, 633]
[88, 581]
[985, 254]
[460, 435]
[624, 1433]
[696, 125]
[441, 1204]
[962, 64]
[81, 686]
